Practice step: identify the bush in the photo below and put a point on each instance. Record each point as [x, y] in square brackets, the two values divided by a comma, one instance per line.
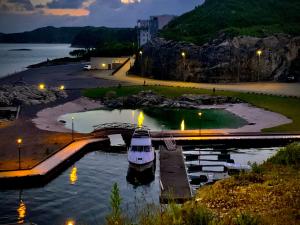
[111, 94]
[258, 169]
[289, 156]
[247, 219]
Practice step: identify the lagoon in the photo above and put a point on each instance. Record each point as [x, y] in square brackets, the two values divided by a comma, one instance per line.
[155, 119]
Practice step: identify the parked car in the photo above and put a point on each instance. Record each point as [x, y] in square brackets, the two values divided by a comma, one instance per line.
[87, 67]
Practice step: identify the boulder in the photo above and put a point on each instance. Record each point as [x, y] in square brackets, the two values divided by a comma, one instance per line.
[28, 95]
[220, 61]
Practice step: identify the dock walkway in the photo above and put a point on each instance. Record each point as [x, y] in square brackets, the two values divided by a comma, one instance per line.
[52, 162]
[173, 176]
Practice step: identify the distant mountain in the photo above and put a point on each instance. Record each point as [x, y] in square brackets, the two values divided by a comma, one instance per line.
[97, 36]
[77, 36]
[235, 17]
[43, 35]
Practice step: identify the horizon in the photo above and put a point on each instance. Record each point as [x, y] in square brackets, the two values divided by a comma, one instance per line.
[28, 15]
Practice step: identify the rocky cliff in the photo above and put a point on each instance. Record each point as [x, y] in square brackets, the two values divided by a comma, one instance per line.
[222, 60]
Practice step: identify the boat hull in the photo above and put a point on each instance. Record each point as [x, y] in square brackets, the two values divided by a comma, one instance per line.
[141, 167]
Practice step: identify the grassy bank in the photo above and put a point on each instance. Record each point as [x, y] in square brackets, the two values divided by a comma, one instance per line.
[269, 195]
[290, 107]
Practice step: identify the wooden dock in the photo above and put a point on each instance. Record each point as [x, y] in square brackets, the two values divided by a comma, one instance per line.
[50, 164]
[173, 177]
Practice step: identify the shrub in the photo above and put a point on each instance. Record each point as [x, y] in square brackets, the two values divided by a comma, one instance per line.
[115, 201]
[289, 156]
[110, 94]
[247, 219]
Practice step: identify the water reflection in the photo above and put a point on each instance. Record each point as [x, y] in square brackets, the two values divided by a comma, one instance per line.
[21, 209]
[73, 175]
[182, 126]
[137, 178]
[70, 222]
[141, 118]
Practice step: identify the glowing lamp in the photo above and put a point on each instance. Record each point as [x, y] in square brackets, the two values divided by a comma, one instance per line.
[42, 86]
[19, 141]
[259, 52]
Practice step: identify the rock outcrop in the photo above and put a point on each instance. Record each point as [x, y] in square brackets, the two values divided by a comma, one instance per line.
[222, 60]
[151, 99]
[28, 95]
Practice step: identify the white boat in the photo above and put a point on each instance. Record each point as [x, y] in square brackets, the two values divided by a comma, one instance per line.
[141, 153]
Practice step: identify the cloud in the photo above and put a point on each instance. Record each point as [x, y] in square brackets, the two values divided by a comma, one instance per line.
[65, 4]
[28, 14]
[130, 1]
[16, 5]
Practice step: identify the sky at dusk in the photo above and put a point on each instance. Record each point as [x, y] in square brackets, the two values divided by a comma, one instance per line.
[23, 15]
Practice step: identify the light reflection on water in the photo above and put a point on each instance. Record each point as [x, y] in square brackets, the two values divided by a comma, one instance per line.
[154, 119]
[73, 175]
[87, 201]
[81, 194]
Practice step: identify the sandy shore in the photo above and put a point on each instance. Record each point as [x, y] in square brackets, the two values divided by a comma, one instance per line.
[46, 119]
[257, 118]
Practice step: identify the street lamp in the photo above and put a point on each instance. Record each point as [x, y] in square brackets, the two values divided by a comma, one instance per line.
[200, 115]
[183, 57]
[42, 86]
[72, 128]
[62, 87]
[141, 64]
[258, 53]
[19, 143]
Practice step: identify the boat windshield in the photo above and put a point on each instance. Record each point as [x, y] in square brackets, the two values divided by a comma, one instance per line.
[140, 148]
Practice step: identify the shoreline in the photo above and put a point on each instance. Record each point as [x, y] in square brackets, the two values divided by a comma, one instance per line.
[257, 118]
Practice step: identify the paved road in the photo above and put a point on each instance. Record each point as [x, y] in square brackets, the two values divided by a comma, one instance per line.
[276, 88]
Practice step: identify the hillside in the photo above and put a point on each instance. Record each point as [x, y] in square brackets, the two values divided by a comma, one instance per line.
[235, 17]
[92, 36]
[77, 36]
[43, 35]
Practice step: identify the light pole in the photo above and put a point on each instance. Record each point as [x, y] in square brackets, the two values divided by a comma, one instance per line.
[200, 115]
[19, 143]
[141, 59]
[72, 128]
[42, 86]
[183, 54]
[258, 53]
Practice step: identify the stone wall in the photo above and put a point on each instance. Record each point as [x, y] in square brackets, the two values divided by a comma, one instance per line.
[222, 60]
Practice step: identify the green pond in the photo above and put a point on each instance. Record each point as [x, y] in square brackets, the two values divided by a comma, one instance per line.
[155, 119]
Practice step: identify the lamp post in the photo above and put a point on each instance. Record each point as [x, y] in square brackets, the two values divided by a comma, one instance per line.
[19, 143]
[42, 86]
[72, 128]
[258, 53]
[183, 55]
[200, 115]
[141, 59]
[62, 87]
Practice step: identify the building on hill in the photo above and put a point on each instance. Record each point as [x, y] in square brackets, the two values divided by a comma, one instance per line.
[148, 29]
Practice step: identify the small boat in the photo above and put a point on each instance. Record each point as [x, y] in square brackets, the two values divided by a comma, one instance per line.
[141, 154]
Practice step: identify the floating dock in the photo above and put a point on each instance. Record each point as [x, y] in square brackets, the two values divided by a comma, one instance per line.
[173, 177]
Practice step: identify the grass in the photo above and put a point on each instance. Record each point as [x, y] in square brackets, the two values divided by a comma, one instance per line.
[287, 106]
